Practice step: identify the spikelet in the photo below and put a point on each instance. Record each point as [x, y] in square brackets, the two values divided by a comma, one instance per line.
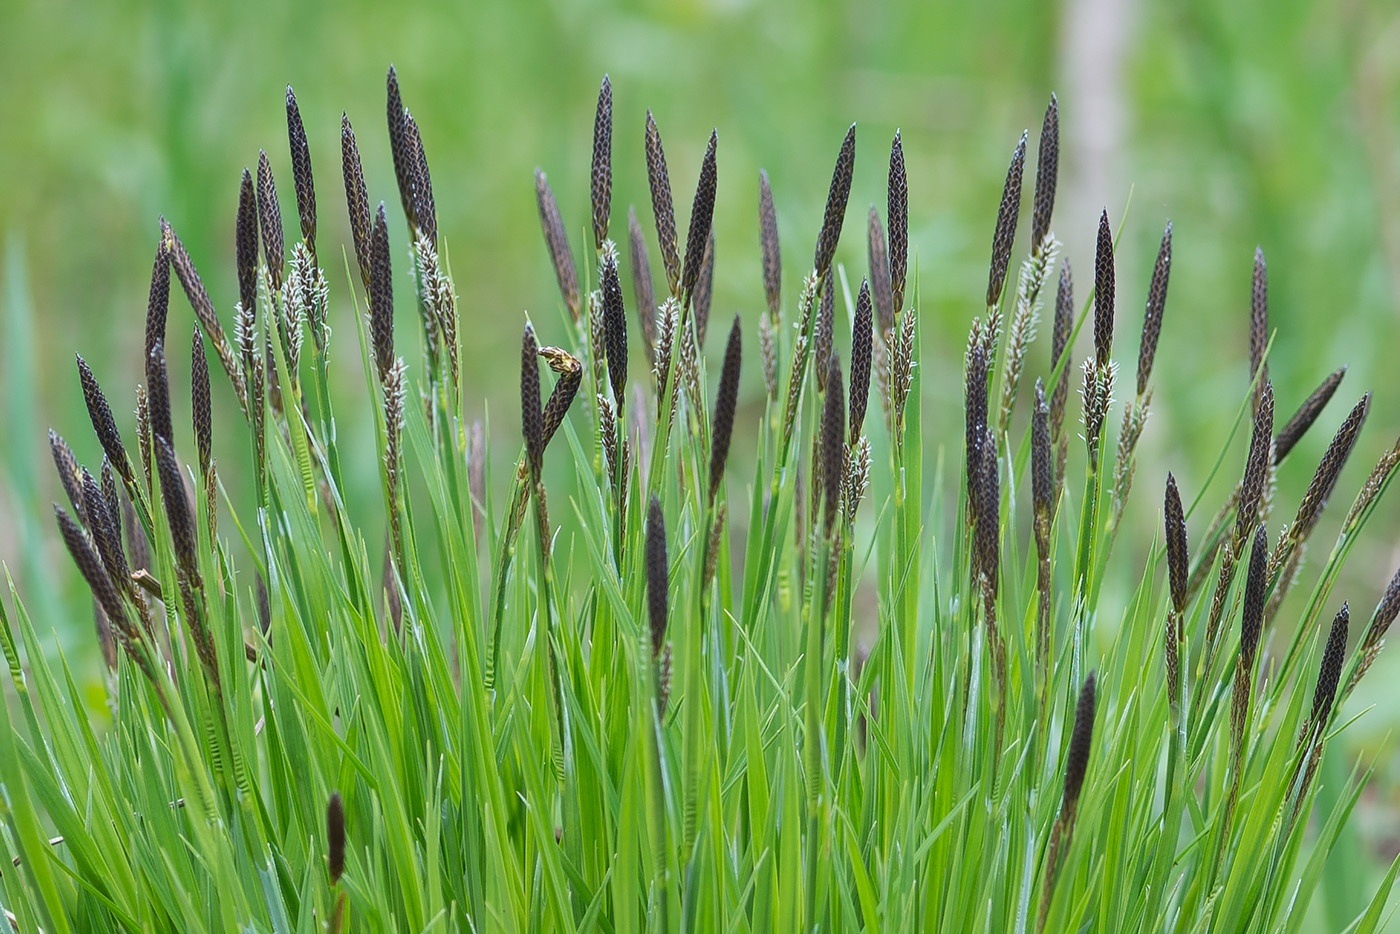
[159, 302]
[772, 254]
[1004, 235]
[1103, 293]
[424, 205]
[1329, 469]
[657, 568]
[203, 309]
[1046, 174]
[722, 418]
[200, 407]
[270, 221]
[404, 156]
[642, 287]
[833, 445]
[556, 239]
[1297, 426]
[897, 215]
[1256, 468]
[103, 423]
[381, 297]
[600, 187]
[570, 371]
[245, 241]
[824, 331]
[301, 172]
[768, 351]
[335, 837]
[356, 199]
[531, 412]
[662, 209]
[704, 290]
[701, 216]
[614, 323]
[1156, 304]
[837, 195]
[861, 342]
[1258, 324]
[857, 479]
[881, 289]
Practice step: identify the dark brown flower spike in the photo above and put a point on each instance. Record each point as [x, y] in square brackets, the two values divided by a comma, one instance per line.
[1255, 587]
[772, 255]
[1156, 304]
[381, 296]
[642, 286]
[861, 350]
[158, 392]
[1103, 293]
[614, 326]
[824, 331]
[1386, 611]
[722, 420]
[1178, 558]
[91, 567]
[1258, 322]
[702, 213]
[103, 424]
[177, 508]
[1256, 468]
[1004, 236]
[356, 197]
[1329, 673]
[987, 533]
[335, 837]
[200, 407]
[974, 407]
[1289, 435]
[657, 573]
[404, 157]
[1042, 467]
[897, 214]
[557, 241]
[159, 303]
[1046, 172]
[704, 290]
[570, 372]
[1329, 469]
[424, 206]
[833, 440]
[1081, 743]
[531, 414]
[69, 474]
[601, 176]
[836, 198]
[1059, 347]
[661, 206]
[245, 243]
[270, 221]
[881, 291]
[106, 535]
[301, 172]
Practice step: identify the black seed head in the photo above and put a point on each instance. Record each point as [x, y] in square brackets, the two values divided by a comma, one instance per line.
[335, 836]
[424, 206]
[824, 330]
[103, 424]
[1156, 304]
[1330, 469]
[614, 326]
[356, 197]
[701, 216]
[1081, 743]
[570, 372]
[1256, 468]
[270, 221]
[1330, 671]
[69, 474]
[1178, 558]
[661, 207]
[1046, 172]
[1004, 236]
[404, 156]
[1103, 293]
[772, 255]
[301, 172]
[974, 401]
[531, 415]
[159, 303]
[1255, 586]
[642, 286]
[177, 507]
[987, 491]
[833, 440]
[381, 296]
[245, 241]
[881, 291]
[836, 198]
[1059, 346]
[861, 349]
[1307, 413]
[722, 421]
[601, 177]
[158, 392]
[106, 533]
[1042, 463]
[90, 566]
[657, 568]
[557, 240]
[897, 214]
[1258, 320]
[200, 407]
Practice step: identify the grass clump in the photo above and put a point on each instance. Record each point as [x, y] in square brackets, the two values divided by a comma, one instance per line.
[699, 692]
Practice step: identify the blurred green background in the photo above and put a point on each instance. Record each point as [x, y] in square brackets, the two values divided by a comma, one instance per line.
[1251, 122]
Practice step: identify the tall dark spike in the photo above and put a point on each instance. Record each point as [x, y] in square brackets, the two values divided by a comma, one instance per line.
[1156, 304]
[158, 392]
[833, 441]
[90, 565]
[270, 221]
[1042, 461]
[1256, 467]
[177, 508]
[556, 238]
[381, 296]
[1329, 672]
[722, 420]
[245, 242]
[531, 412]
[861, 348]
[702, 214]
[1004, 236]
[1103, 293]
[356, 197]
[657, 568]
[661, 206]
[1255, 593]
[836, 197]
[1289, 435]
[601, 176]
[1329, 469]
[424, 206]
[1081, 743]
[614, 327]
[772, 254]
[642, 286]
[704, 290]
[335, 837]
[404, 157]
[1046, 173]
[200, 407]
[301, 172]
[103, 424]
[897, 215]
[1178, 558]
[69, 474]
[159, 303]
[1258, 322]
[881, 291]
[1059, 347]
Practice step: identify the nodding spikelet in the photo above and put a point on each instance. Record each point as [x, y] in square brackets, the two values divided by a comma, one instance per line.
[987, 491]
[159, 303]
[381, 296]
[833, 441]
[335, 837]
[772, 254]
[203, 307]
[1178, 558]
[90, 566]
[722, 419]
[556, 239]
[1059, 348]
[270, 221]
[661, 207]
[570, 370]
[531, 415]
[1255, 586]
[424, 205]
[704, 290]
[356, 197]
[1258, 323]
[1081, 743]
[881, 291]
[642, 286]
[200, 407]
[1329, 673]
[103, 423]
[1256, 468]
[1042, 467]
[836, 198]
[1046, 172]
[69, 474]
[245, 242]
[897, 215]
[974, 407]
[1386, 611]
[1004, 236]
[702, 214]
[177, 508]
[1297, 426]
[1156, 304]
[301, 172]
[404, 157]
[824, 330]
[862, 341]
[158, 393]
[600, 187]
[1324, 479]
[1103, 293]
[614, 325]
[657, 568]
